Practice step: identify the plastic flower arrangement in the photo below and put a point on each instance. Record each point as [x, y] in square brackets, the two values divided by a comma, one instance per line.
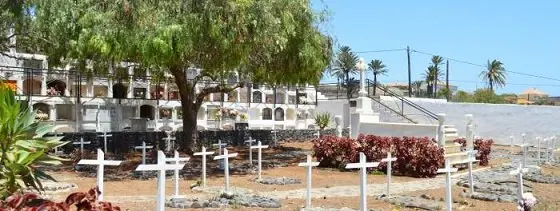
[529, 201]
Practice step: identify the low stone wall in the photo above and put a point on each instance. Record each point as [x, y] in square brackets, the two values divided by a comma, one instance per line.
[122, 142]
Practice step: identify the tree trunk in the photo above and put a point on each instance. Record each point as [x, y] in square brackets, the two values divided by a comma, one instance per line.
[348, 90]
[374, 83]
[187, 103]
[435, 86]
[491, 83]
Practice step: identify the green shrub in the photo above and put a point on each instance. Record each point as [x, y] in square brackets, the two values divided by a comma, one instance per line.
[322, 120]
[22, 146]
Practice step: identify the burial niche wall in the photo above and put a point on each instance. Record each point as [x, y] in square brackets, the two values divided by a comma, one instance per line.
[147, 111]
[279, 114]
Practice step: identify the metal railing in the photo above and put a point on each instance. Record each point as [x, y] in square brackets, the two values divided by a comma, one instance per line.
[401, 102]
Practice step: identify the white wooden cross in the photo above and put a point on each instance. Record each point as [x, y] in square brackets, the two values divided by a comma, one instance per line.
[203, 153]
[81, 143]
[105, 135]
[308, 165]
[519, 172]
[362, 165]
[471, 158]
[169, 141]
[511, 140]
[275, 139]
[143, 147]
[548, 150]
[250, 142]
[177, 160]
[523, 138]
[389, 161]
[259, 159]
[221, 146]
[538, 151]
[226, 157]
[161, 167]
[100, 163]
[318, 134]
[524, 147]
[448, 184]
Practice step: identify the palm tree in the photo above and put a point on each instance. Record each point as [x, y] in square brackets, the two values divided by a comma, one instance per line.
[416, 86]
[494, 75]
[436, 62]
[377, 68]
[344, 66]
[431, 75]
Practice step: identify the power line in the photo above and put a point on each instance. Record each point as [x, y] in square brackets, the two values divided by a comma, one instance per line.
[479, 65]
[379, 51]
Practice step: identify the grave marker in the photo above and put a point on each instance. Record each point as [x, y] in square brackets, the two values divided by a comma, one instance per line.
[389, 161]
[511, 140]
[226, 157]
[203, 153]
[81, 143]
[519, 172]
[472, 158]
[538, 151]
[161, 167]
[169, 141]
[548, 150]
[56, 150]
[259, 159]
[221, 147]
[308, 165]
[100, 163]
[524, 147]
[275, 143]
[143, 147]
[448, 197]
[523, 138]
[362, 165]
[317, 134]
[250, 142]
[105, 140]
[177, 160]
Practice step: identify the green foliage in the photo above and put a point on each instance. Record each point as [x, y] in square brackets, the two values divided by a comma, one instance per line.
[462, 96]
[494, 75]
[344, 66]
[481, 96]
[322, 120]
[22, 146]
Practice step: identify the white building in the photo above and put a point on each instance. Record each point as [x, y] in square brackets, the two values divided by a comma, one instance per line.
[134, 102]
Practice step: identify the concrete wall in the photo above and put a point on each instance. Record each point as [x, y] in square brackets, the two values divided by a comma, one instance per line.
[334, 107]
[398, 129]
[498, 122]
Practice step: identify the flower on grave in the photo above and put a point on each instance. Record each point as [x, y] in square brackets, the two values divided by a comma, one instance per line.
[303, 100]
[40, 115]
[51, 91]
[301, 114]
[528, 202]
[243, 116]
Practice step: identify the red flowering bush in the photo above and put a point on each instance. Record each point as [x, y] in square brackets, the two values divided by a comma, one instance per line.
[335, 152]
[80, 200]
[417, 157]
[484, 148]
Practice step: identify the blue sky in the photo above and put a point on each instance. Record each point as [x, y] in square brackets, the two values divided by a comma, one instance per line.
[523, 35]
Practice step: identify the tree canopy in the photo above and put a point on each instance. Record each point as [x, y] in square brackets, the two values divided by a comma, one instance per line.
[270, 41]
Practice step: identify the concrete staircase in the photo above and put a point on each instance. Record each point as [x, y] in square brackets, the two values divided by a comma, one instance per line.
[388, 115]
[452, 151]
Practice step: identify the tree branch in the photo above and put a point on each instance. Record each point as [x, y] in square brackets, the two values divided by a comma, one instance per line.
[215, 89]
[200, 77]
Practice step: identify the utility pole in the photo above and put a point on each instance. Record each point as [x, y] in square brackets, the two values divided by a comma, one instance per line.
[447, 80]
[409, 78]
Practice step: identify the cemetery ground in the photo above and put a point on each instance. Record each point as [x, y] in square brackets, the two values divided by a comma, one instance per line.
[332, 188]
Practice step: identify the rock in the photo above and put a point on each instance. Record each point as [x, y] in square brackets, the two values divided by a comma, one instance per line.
[540, 178]
[279, 181]
[484, 196]
[414, 202]
[214, 204]
[196, 204]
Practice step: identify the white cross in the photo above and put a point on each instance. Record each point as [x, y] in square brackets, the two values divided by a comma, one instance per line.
[161, 167]
[524, 147]
[250, 142]
[389, 161]
[81, 143]
[538, 151]
[548, 150]
[203, 154]
[56, 151]
[177, 160]
[523, 138]
[226, 157]
[105, 139]
[362, 165]
[143, 147]
[519, 172]
[169, 141]
[318, 134]
[511, 140]
[308, 165]
[100, 163]
[448, 170]
[221, 147]
[472, 158]
[275, 139]
[259, 159]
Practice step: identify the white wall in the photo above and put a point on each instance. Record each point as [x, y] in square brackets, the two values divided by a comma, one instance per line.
[496, 121]
[398, 129]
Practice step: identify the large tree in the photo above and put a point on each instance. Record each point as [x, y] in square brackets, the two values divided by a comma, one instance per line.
[377, 68]
[344, 66]
[494, 75]
[265, 41]
[14, 20]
